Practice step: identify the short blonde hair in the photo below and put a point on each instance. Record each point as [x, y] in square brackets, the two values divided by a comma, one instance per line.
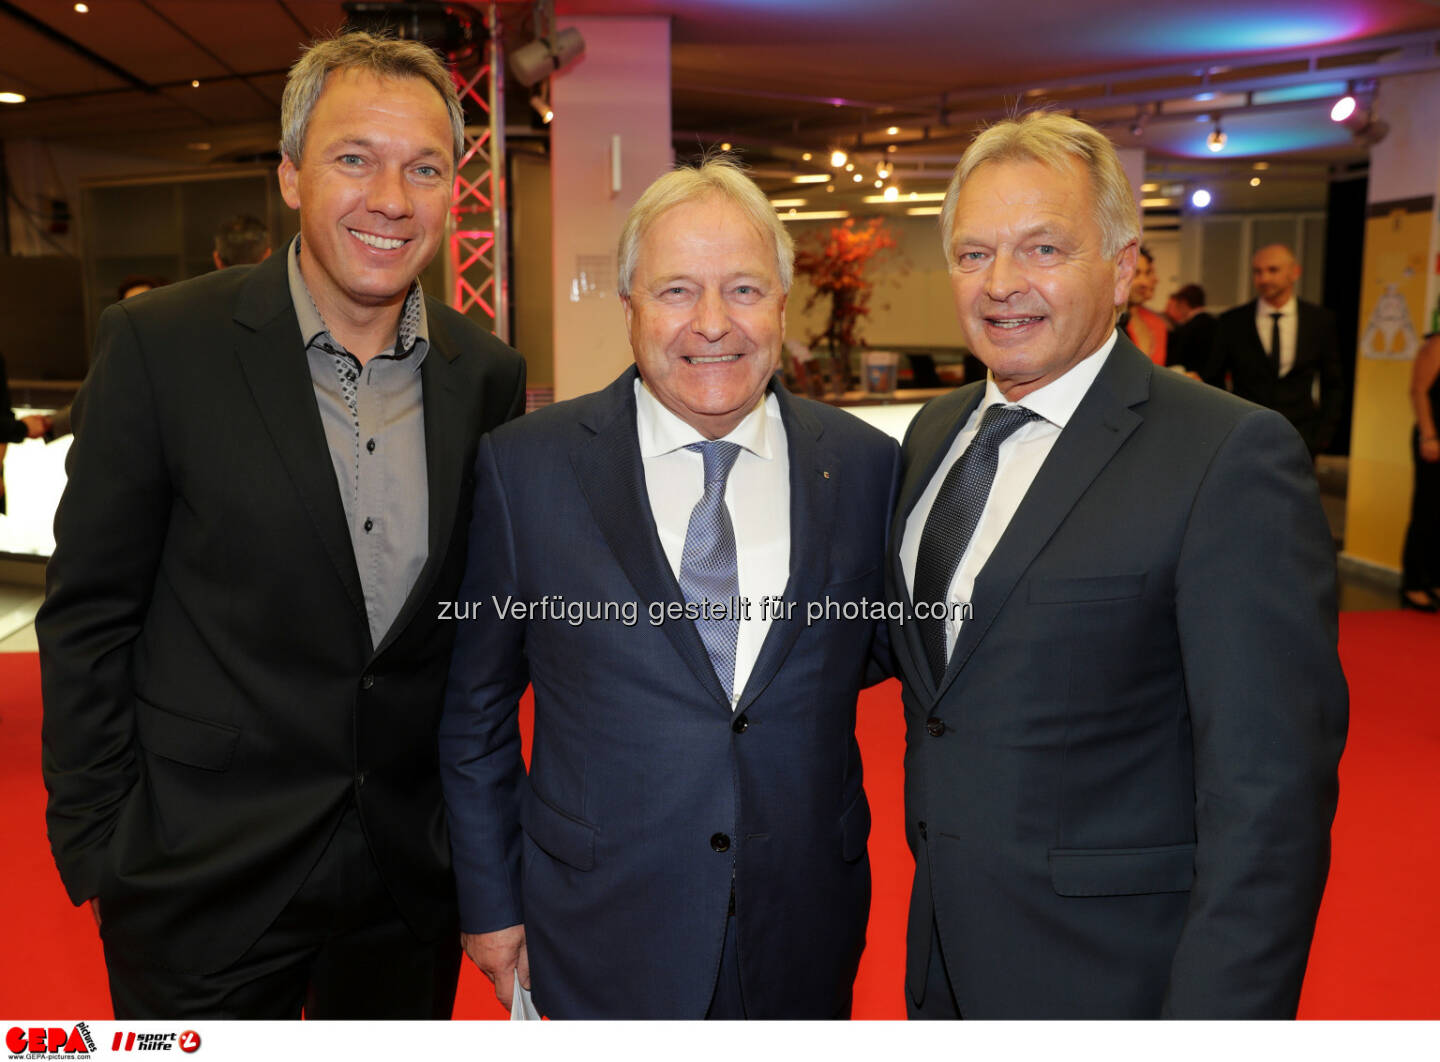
[379, 55]
[1057, 141]
[717, 175]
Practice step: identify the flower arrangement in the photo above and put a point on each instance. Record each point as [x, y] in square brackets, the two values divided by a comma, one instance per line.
[835, 263]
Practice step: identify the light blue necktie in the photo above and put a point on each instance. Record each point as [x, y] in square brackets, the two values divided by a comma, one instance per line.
[707, 566]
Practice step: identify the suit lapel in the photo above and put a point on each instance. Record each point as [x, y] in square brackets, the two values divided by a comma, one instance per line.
[444, 454]
[816, 478]
[611, 475]
[928, 443]
[1101, 424]
[272, 358]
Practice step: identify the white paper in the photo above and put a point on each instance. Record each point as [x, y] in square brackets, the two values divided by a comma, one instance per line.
[522, 1007]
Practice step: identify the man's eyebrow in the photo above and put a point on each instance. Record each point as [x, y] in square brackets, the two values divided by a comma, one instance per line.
[367, 142]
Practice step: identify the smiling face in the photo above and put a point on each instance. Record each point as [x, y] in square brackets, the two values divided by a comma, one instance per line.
[373, 190]
[706, 313]
[1034, 290]
[1143, 286]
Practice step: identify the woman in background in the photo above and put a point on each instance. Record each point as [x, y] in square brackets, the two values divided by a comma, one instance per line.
[13, 428]
[1420, 588]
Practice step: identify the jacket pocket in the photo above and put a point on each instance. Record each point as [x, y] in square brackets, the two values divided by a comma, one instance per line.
[185, 739]
[855, 828]
[557, 834]
[1122, 871]
[1090, 588]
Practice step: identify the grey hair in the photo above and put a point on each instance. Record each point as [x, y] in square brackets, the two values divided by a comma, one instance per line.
[718, 175]
[1057, 141]
[382, 56]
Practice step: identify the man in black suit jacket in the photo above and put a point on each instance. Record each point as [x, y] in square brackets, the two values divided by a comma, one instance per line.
[1122, 734]
[1244, 351]
[241, 661]
[1194, 333]
[690, 839]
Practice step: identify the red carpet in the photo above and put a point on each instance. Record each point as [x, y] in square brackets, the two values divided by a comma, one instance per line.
[1375, 948]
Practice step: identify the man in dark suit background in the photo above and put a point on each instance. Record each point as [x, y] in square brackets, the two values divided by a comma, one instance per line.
[241, 663]
[1123, 732]
[1276, 350]
[1194, 333]
[690, 840]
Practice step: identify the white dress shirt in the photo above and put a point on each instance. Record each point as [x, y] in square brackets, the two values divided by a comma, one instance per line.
[1289, 329]
[757, 495]
[1019, 461]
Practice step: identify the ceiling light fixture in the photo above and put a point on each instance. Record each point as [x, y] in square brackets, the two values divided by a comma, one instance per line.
[810, 178]
[838, 158]
[892, 194]
[82, 9]
[726, 146]
[11, 97]
[1344, 108]
[1200, 198]
[1216, 140]
[195, 84]
[543, 109]
[894, 130]
[883, 170]
[807, 156]
[859, 177]
[1254, 182]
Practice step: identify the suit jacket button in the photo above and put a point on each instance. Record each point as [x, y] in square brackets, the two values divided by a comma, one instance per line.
[720, 842]
[934, 727]
[360, 780]
[366, 681]
[741, 724]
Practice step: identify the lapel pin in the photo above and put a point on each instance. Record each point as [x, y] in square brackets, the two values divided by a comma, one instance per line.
[825, 474]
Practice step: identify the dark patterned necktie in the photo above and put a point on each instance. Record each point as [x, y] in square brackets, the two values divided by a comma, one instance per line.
[952, 522]
[708, 570]
[1275, 340]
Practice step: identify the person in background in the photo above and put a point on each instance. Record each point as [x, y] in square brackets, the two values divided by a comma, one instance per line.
[1146, 328]
[1420, 586]
[1193, 333]
[240, 657]
[241, 240]
[13, 429]
[138, 284]
[1276, 350]
[690, 840]
[1123, 725]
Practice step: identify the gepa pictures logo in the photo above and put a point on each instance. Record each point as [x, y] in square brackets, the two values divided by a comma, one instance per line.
[28, 1042]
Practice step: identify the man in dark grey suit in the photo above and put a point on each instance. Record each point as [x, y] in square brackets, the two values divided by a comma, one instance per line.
[686, 566]
[241, 662]
[1123, 730]
[1276, 350]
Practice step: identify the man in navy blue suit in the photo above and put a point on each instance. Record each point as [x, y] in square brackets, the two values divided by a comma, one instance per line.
[666, 561]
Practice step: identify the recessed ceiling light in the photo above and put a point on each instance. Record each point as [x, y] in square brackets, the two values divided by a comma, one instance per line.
[1254, 182]
[11, 97]
[726, 146]
[807, 156]
[82, 9]
[838, 157]
[893, 130]
[194, 84]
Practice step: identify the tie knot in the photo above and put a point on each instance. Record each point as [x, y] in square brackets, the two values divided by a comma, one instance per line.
[1000, 422]
[719, 457]
[1276, 316]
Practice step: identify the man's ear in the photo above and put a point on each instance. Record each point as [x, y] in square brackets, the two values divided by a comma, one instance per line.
[1125, 271]
[629, 311]
[289, 175]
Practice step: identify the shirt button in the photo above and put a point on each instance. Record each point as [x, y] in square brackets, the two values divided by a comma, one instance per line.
[934, 727]
[720, 842]
[370, 446]
[369, 523]
[741, 724]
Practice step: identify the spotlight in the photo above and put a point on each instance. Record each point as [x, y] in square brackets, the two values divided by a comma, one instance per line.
[543, 109]
[1216, 140]
[82, 9]
[11, 97]
[849, 167]
[879, 183]
[807, 156]
[859, 177]
[1254, 182]
[894, 130]
[891, 194]
[883, 170]
[1344, 108]
[454, 30]
[1200, 199]
[543, 56]
[838, 158]
[726, 146]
